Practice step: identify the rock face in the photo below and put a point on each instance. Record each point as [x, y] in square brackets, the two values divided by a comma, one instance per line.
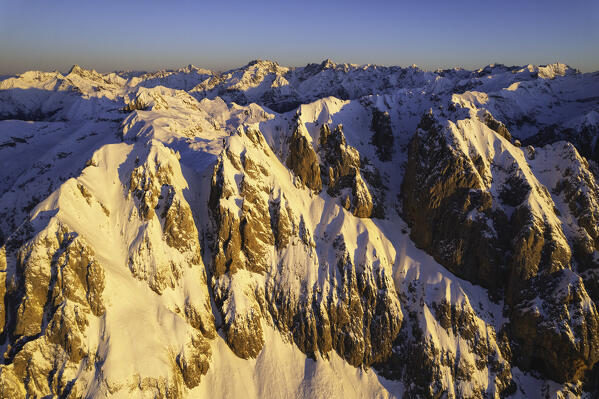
[351, 308]
[163, 209]
[337, 166]
[302, 160]
[242, 245]
[55, 288]
[160, 204]
[556, 323]
[442, 189]
[341, 170]
[382, 138]
[445, 187]
[457, 216]
[495, 125]
[56, 327]
[445, 347]
[575, 190]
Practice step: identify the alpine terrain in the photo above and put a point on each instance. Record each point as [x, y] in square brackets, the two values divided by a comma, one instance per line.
[328, 231]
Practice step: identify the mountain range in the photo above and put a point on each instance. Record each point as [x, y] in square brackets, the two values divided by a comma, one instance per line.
[327, 231]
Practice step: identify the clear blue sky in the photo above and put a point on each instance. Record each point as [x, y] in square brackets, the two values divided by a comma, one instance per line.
[148, 35]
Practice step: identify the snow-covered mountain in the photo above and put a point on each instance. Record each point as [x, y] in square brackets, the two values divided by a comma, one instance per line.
[329, 231]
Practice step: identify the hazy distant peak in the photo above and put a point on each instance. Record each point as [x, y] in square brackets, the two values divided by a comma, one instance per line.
[328, 63]
[75, 69]
[195, 69]
[78, 70]
[549, 71]
[262, 62]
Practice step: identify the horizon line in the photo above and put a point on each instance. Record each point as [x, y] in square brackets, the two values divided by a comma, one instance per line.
[323, 62]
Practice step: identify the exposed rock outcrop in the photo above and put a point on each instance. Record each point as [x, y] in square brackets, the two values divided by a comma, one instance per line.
[340, 170]
[163, 209]
[55, 287]
[444, 346]
[302, 160]
[242, 244]
[382, 137]
[556, 324]
[446, 186]
[496, 125]
[501, 240]
[352, 308]
[443, 189]
[574, 187]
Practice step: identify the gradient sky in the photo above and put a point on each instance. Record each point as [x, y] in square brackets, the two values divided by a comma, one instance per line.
[149, 35]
